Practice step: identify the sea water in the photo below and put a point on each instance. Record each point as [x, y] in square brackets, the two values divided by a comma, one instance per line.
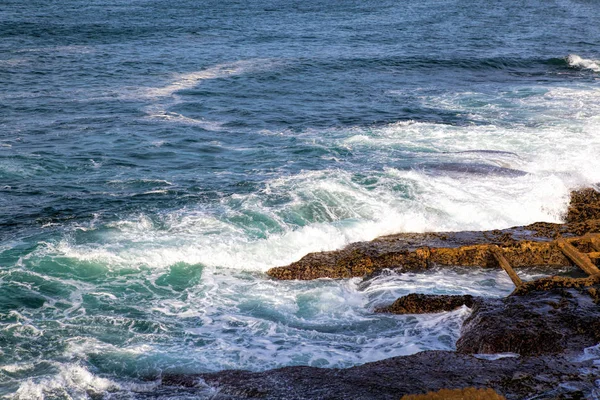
[156, 158]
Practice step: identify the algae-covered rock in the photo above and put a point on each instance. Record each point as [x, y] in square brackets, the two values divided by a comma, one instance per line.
[361, 260]
[584, 205]
[426, 303]
[557, 282]
[457, 394]
[522, 246]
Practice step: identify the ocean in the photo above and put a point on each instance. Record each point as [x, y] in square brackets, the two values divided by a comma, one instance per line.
[156, 158]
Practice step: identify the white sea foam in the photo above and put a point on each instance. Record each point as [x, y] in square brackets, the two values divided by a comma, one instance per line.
[497, 356]
[576, 61]
[192, 79]
[19, 367]
[165, 97]
[591, 353]
[333, 210]
[159, 112]
[325, 210]
[71, 381]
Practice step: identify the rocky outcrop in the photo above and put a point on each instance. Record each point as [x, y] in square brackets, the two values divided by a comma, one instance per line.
[363, 259]
[426, 303]
[584, 206]
[542, 322]
[546, 377]
[522, 246]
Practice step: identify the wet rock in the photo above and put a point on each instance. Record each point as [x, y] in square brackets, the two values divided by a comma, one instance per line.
[584, 205]
[423, 303]
[351, 262]
[546, 377]
[552, 321]
[558, 282]
[594, 294]
[365, 258]
[528, 245]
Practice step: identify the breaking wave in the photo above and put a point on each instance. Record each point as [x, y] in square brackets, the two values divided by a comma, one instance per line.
[576, 61]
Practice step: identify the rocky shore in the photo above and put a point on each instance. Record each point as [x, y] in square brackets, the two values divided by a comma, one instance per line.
[540, 342]
[523, 246]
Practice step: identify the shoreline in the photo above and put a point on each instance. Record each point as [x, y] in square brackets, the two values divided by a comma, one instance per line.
[542, 340]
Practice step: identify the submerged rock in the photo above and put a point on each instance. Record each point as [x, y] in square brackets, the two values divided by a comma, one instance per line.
[426, 303]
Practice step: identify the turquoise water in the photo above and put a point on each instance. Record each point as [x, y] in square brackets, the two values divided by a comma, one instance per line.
[156, 159]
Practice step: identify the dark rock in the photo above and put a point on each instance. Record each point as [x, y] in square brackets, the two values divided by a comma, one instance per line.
[546, 377]
[426, 303]
[558, 282]
[539, 322]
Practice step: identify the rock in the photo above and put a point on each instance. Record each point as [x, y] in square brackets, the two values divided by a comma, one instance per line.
[365, 258]
[552, 321]
[426, 303]
[555, 282]
[457, 394]
[584, 205]
[546, 377]
[522, 246]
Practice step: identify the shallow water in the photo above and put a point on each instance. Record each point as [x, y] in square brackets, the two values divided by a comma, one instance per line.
[156, 159]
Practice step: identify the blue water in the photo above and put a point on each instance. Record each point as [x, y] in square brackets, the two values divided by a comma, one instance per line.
[157, 157]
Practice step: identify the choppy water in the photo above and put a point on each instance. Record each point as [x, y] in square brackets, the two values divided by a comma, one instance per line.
[157, 157]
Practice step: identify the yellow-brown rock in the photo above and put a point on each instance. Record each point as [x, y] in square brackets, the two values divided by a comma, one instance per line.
[457, 394]
[530, 245]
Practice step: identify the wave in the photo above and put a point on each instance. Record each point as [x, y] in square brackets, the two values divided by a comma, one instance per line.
[421, 63]
[237, 322]
[71, 381]
[405, 176]
[575, 61]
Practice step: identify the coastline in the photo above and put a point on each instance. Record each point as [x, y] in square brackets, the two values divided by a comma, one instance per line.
[541, 341]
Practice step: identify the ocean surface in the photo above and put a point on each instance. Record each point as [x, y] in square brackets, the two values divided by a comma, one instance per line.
[156, 158]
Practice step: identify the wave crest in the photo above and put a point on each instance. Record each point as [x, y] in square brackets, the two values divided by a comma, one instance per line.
[576, 61]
